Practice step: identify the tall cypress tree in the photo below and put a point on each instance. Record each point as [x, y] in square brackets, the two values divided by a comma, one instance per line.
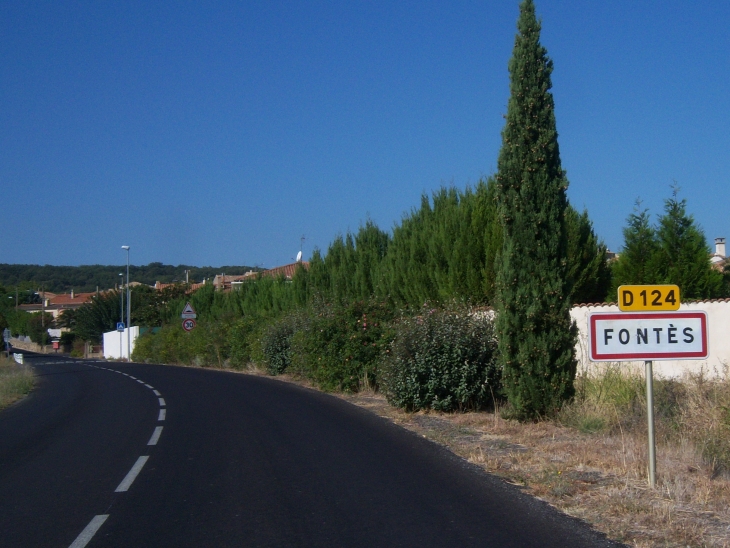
[535, 331]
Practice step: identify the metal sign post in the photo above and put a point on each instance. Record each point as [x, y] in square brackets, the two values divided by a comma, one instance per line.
[6, 339]
[120, 328]
[650, 420]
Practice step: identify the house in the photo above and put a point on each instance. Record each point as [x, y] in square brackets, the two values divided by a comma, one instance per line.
[192, 288]
[68, 301]
[287, 270]
[56, 305]
[223, 282]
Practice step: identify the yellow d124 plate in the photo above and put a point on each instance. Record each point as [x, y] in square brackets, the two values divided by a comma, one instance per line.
[642, 298]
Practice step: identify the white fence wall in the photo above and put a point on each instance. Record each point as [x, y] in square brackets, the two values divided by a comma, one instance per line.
[115, 343]
[718, 324]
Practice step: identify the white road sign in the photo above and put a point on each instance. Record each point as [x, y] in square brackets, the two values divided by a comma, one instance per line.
[648, 336]
[188, 312]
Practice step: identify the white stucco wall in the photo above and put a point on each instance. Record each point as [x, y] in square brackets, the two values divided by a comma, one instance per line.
[112, 345]
[718, 324]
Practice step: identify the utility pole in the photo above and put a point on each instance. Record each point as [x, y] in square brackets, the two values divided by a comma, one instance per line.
[43, 319]
[121, 309]
[129, 310]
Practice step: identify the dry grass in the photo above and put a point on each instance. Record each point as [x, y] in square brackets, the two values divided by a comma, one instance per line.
[15, 381]
[592, 462]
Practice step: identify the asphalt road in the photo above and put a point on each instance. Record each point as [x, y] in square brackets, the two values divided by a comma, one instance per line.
[225, 459]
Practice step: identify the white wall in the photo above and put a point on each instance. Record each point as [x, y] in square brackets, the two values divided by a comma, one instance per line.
[112, 346]
[718, 324]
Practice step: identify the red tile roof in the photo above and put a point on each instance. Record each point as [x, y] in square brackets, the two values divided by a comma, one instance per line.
[191, 287]
[66, 300]
[287, 270]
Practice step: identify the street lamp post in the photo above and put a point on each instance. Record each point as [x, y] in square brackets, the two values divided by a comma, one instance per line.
[121, 309]
[129, 310]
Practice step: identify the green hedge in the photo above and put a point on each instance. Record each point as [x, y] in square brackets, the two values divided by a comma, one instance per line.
[208, 345]
[339, 347]
[442, 360]
[276, 342]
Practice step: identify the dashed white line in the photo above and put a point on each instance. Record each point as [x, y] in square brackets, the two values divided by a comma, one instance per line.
[163, 412]
[139, 381]
[162, 402]
[132, 475]
[150, 387]
[89, 531]
[156, 392]
[155, 436]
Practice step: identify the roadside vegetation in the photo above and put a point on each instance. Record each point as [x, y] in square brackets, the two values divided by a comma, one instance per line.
[16, 381]
[590, 460]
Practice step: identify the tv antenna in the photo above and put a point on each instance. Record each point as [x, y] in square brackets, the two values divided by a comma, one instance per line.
[301, 248]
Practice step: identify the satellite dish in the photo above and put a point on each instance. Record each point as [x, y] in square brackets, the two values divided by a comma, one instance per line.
[299, 257]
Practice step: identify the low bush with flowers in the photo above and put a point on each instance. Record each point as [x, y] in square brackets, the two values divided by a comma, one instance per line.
[442, 359]
[341, 346]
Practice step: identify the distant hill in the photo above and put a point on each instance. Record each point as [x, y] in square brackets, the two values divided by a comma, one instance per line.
[60, 279]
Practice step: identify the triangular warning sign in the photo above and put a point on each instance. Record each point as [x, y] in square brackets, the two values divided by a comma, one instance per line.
[188, 309]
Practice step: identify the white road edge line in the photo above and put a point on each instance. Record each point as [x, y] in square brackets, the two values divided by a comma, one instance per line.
[156, 392]
[88, 533]
[132, 475]
[163, 412]
[162, 402]
[155, 436]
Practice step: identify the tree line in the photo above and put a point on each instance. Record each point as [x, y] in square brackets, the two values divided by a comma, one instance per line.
[674, 251]
[87, 278]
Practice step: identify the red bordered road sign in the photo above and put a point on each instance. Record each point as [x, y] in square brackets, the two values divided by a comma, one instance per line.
[188, 312]
[648, 336]
[188, 324]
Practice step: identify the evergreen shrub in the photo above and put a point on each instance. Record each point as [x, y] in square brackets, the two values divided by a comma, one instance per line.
[165, 346]
[242, 340]
[341, 346]
[205, 346]
[443, 360]
[276, 343]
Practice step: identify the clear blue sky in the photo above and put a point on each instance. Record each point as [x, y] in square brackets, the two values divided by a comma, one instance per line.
[212, 133]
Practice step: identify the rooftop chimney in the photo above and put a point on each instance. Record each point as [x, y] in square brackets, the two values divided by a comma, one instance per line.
[720, 247]
[72, 293]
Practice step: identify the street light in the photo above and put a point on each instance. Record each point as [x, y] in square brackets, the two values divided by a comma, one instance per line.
[129, 310]
[121, 309]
